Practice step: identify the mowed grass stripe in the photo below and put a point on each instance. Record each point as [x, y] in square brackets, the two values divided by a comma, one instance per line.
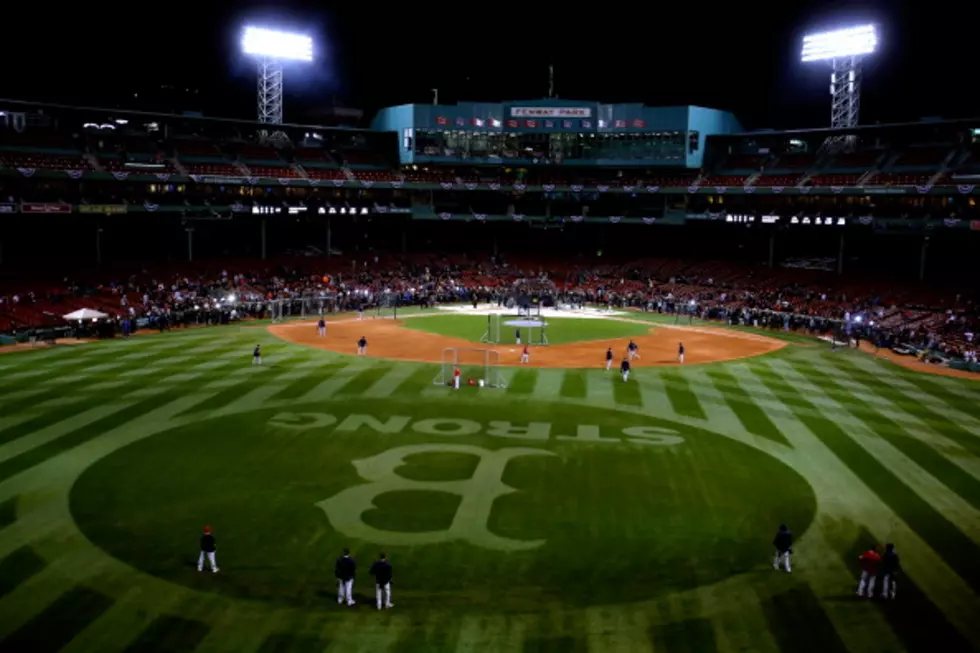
[918, 624]
[80, 366]
[752, 417]
[684, 401]
[56, 625]
[522, 382]
[419, 380]
[575, 384]
[938, 422]
[799, 624]
[364, 379]
[958, 550]
[941, 468]
[233, 393]
[628, 393]
[685, 636]
[299, 387]
[169, 634]
[18, 567]
[79, 436]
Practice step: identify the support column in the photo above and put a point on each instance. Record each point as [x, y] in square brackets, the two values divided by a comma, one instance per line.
[98, 243]
[772, 249]
[190, 243]
[840, 255]
[263, 239]
[922, 258]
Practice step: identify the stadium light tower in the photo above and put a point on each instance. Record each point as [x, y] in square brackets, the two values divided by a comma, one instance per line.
[272, 49]
[844, 49]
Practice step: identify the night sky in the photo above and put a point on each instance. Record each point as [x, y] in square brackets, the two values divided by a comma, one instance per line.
[741, 56]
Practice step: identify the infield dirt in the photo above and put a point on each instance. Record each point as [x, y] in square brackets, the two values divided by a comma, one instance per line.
[389, 339]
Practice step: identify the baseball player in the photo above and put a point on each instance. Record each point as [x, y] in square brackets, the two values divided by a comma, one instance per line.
[257, 355]
[517, 336]
[525, 355]
[360, 311]
[344, 569]
[208, 548]
[456, 375]
[321, 327]
[680, 353]
[624, 368]
[362, 346]
[381, 570]
[632, 350]
[869, 560]
[890, 568]
[783, 543]
[609, 359]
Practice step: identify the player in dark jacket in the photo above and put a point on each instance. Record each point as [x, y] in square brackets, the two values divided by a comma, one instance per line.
[344, 569]
[783, 543]
[257, 355]
[381, 570]
[609, 359]
[624, 368]
[889, 568]
[208, 547]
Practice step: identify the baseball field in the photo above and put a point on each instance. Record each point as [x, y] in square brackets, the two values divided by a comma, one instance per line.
[569, 511]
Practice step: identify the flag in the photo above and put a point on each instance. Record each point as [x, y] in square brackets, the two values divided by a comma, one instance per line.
[619, 124]
[442, 120]
[640, 124]
[567, 124]
[512, 123]
[531, 124]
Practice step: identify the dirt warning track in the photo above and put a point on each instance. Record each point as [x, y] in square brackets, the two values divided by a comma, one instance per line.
[390, 339]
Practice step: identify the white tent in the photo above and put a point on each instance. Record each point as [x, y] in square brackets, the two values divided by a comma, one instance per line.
[85, 314]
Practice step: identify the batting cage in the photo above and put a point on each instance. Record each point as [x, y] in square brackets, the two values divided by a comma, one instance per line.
[477, 367]
[508, 330]
[386, 305]
[300, 306]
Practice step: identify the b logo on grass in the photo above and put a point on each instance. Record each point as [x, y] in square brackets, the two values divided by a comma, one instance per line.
[345, 510]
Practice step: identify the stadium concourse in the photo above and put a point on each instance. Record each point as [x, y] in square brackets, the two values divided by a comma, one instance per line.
[390, 339]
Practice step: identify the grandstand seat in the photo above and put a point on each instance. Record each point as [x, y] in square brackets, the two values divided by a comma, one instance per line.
[51, 161]
[664, 182]
[325, 173]
[375, 175]
[725, 180]
[275, 172]
[215, 169]
[426, 176]
[835, 179]
[777, 180]
[901, 179]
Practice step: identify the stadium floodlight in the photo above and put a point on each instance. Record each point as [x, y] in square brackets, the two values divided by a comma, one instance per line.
[844, 48]
[272, 48]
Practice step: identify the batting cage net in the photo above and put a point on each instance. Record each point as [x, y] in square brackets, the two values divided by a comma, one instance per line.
[477, 367]
[518, 331]
[387, 305]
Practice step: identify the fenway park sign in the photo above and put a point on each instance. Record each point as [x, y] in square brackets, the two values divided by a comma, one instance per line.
[551, 112]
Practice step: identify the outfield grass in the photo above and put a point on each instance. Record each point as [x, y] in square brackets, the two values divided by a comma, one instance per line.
[583, 514]
[559, 330]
